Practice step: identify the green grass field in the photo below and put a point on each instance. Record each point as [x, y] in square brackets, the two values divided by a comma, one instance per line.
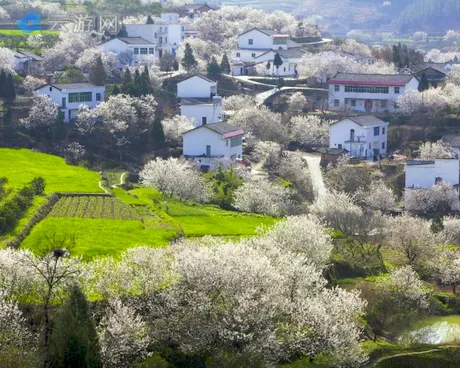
[18, 32]
[20, 166]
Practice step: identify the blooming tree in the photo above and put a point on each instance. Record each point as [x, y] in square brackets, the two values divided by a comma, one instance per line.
[296, 103]
[42, 113]
[237, 102]
[448, 268]
[31, 83]
[7, 60]
[176, 126]
[89, 57]
[432, 151]
[420, 36]
[442, 197]
[175, 177]
[378, 197]
[430, 102]
[269, 153]
[310, 131]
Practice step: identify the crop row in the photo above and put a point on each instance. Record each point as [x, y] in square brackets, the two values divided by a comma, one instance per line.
[93, 207]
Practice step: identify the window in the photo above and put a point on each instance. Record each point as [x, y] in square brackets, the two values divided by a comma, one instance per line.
[383, 145]
[183, 28]
[376, 131]
[51, 88]
[80, 97]
[143, 51]
[155, 35]
[337, 88]
[369, 146]
[251, 41]
[204, 120]
[383, 104]
[166, 39]
[253, 55]
[226, 142]
[383, 130]
[353, 103]
[352, 135]
[397, 90]
[336, 103]
[98, 96]
[151, 51]
[136, 51]
[238, 54]
[161, 40]
[339, 146]
[237, 141]
[367, 89]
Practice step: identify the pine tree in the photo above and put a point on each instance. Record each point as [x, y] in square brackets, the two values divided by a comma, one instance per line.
[188, 62]
[144, 81]
[277, 62]
[280, 83]
[127, 81]
[10, 92]
[225, 65]
[268, 66]
[74, 342]
[135, 89]
[115, 90]
[97, 73]
[2, 83]
[213, 69]
[423, 85]
[149, 20]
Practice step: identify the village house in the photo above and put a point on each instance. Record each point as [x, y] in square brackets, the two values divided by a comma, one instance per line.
[213, 141]
[435, 72]
[27, 63]
[133, 47]
[368, 92]
[425, 174]
[362, 136]
[193, 11]
[454, 141]
[69, 96]
[199, 100]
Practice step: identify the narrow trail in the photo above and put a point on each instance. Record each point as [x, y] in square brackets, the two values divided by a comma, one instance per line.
[313, 161]
[106, 191]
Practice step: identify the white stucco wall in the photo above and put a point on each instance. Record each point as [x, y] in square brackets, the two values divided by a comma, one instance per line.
[425, 175]
[146, 31]
[195, 142]
[260, 40]
[196, 87]
[247, 55]
[116, 46]
[339, 133]
[212, 112]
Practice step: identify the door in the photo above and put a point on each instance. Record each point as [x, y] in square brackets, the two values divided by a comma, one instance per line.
[64, 102]
[368, 105]
[208, 151]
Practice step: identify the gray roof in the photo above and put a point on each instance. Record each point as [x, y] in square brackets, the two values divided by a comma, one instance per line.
[293, 53]
[62, 86]
[439, 67]
[364, 120]
[398, 78]
[222, 128]
[134, 40]
[187, 7]
[22, 54]
[268, 32]
[452, 139]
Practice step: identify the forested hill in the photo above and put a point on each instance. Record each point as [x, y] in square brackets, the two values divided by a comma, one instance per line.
[406, 15]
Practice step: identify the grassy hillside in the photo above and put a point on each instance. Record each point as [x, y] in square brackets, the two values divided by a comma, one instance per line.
[20, 166]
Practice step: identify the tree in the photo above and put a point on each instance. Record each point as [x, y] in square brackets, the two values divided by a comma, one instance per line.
[97, 73]
[296, 103]
[440, 198]
[348, 178]
[116, 90]
[167, 62]
[74, 342]
[224, 182]
[42, 113]
[188, 61]
[225, 64]
[377, 197]
[2, 84]
[59, 129]
[74, 153]
[127, 81]
[260, 196]
[174, 127]
[31, 83]
[280, 83]
[277, 62]
[447, 265]
[311, 131]
[7, 60]
[423, 84]
[174, 177]
[237, 102]
[10, 92]
[144, 82]
[436, 150]
[213, 69]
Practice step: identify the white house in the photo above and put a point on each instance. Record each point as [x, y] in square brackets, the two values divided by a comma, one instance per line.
[368, 92]
[199, 100]
[220, 140]
[26, 62]
[193, 11]
[290, 57]
[136, 47]
[69, 96]
[425, 174]
[362, 136]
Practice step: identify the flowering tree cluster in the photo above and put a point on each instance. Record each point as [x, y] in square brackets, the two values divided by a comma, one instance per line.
[441, 198]
[310, 131]
[237, 102]
[42, 113]
[31, 83]
[436, 150]
[378, 197]
[175, 177]
[88, 60]
[7, 60]
[176, 126]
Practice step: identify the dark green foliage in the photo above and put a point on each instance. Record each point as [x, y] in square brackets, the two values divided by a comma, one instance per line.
[423, 85]
[437, 224]
[158, 135]
[10, 92]
[59, 129]
[280, 83]
[405, 57]
[116, 90]
[74, 342]
[72, 75]
[224, 184]
[213, 69]
[144, 82]
[189, 62]
[167, 62]
[97, 73]
[268, 66]
[127, 81]
[225, 64]
[2, 83]
[277, 62]
[149, 20]
[175, 65]
[13, 207]
[4, 190]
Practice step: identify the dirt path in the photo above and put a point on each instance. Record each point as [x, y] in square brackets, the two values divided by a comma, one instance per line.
[313, 161]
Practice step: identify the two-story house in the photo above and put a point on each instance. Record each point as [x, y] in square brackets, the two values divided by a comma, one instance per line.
[435, 72]
[362, 136]
[368, 92]
[27, 63]
[199, 100]
[69, 96]
[207, 142]
[136, 47]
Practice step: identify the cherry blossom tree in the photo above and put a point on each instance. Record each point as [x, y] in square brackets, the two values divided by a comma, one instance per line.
[260, 196]
[448, 268]
[357, 35]
[296, 103]
[42, 113]
[452, 36]
[175, 177]
[442, 197]
[31, 83]
[453, 76]
[430, 102]
[436, 150]
[378, 197]
[89, 58]
[237, 102]
[87, 120]
[176, 126]
[269, 153]
[7, 60]
[310, 131]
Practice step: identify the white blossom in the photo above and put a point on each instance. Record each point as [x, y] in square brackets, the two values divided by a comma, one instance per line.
[42, 113]
[310, 131]
[436, 150]
[442, 197]
[176, 126]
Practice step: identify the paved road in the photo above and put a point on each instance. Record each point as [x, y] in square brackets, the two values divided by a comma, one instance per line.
[313, 161]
